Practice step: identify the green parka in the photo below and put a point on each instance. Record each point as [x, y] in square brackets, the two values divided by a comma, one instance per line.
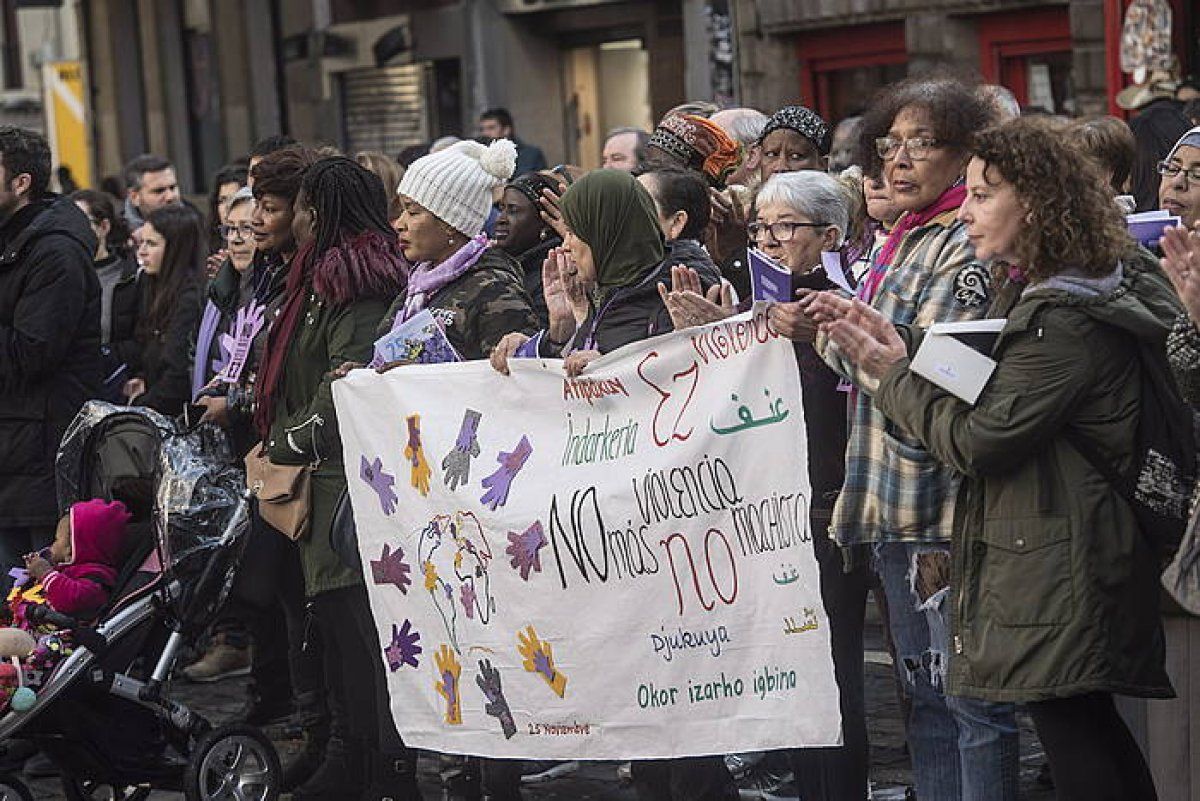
[1055, 590]
[305, 429]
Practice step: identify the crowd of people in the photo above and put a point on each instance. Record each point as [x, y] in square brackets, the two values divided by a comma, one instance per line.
[1014, 569]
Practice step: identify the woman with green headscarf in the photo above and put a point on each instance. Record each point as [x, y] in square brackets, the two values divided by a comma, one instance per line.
[614, 246]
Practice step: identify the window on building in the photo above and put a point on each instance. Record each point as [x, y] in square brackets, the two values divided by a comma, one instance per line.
[841, 68]
[1029, 52]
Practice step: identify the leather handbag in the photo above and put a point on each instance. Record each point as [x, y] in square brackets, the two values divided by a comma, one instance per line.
[284, 492]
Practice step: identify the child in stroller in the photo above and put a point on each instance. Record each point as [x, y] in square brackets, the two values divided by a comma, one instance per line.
[104, 712]
[74, 577]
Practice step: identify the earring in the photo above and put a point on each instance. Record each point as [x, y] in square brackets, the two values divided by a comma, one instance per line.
[542, 235]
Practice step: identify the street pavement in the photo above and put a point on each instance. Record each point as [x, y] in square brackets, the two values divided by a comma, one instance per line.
[598, 781]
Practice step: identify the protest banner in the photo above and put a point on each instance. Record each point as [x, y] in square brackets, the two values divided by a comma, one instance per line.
[612, 566]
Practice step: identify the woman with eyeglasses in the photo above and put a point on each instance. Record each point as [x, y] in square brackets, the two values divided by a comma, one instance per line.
[1179, 189]
[231, 290]
[800, 215]
[285, 662]
[897, 503]
[1057, 603]
[226, 183]
[117, 272]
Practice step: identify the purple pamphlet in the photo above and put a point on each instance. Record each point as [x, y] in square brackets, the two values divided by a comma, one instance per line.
[1148, 226]
[768, 279]
[418, 340]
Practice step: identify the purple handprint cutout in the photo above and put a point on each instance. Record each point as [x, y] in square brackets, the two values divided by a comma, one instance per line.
[246, 326]
[526, 549]
[468, 598]
[390, 568]
[499, 483]
[542, 665]
[380, 481]
[404, 648]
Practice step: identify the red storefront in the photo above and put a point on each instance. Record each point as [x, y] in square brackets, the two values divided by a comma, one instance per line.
[1029, 50]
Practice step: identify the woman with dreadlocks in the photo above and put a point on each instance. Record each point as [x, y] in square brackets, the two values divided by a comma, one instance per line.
[346, 272]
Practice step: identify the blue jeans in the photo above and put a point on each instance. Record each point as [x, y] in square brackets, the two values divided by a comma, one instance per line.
[962, 749]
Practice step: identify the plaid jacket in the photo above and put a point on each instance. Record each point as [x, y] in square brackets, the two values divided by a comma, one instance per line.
[895, 490]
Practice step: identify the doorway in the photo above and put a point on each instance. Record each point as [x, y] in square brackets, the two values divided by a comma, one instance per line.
[607, 86]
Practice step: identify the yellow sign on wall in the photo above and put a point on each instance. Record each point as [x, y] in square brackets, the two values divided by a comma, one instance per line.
[67, 118]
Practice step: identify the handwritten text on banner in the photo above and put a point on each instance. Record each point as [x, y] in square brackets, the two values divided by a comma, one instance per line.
[607, 567]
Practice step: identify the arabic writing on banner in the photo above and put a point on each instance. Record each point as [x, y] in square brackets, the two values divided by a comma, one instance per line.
[613, 566]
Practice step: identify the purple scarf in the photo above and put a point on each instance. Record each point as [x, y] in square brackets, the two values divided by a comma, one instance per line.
[208, 332]
[425, 279]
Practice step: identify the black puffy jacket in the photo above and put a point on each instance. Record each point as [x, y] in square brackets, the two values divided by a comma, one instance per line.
[166, 353]
[49, 349]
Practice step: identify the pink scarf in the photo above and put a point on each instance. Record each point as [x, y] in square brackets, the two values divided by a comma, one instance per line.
[952, 198]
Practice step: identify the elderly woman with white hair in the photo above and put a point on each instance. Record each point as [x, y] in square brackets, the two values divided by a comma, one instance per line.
[798, 216]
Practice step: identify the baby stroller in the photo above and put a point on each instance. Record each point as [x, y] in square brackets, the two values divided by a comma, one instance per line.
[104, 714]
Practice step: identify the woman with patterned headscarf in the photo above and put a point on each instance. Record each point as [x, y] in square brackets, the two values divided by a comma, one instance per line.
[795, 138]
[696, 144]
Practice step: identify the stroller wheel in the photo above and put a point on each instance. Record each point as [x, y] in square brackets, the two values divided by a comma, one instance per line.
[76, 789]
[13, 789]
[233, 763]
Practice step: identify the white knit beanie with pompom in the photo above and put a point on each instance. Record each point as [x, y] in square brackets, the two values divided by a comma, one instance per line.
[456, 184]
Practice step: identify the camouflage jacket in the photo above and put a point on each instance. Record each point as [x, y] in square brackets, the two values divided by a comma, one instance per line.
[476, 310]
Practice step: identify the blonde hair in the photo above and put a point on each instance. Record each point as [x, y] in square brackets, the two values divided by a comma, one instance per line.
[389, 171]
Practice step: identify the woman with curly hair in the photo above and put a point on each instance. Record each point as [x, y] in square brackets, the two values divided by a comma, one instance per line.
[897, 504]
[1057, 597]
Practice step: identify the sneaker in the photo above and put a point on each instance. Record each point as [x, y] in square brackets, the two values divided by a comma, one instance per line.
[222, 661]
[542, 772]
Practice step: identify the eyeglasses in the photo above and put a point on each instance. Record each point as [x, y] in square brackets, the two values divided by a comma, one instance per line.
[918, 147]
[243, 231]
[780, 231]
[1172, 170]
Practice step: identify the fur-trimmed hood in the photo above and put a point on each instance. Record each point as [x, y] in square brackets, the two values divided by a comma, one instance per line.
[368, 265]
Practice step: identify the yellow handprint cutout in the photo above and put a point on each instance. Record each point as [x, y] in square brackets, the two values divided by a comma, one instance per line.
[449, 669]
[415, 453]
[539, 659]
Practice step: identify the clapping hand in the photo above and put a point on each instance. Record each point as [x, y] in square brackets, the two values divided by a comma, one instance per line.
[689, 305]
[1181, 263]
[867, 338]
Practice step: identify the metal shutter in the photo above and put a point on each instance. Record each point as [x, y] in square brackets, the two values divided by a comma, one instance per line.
[386, 108]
